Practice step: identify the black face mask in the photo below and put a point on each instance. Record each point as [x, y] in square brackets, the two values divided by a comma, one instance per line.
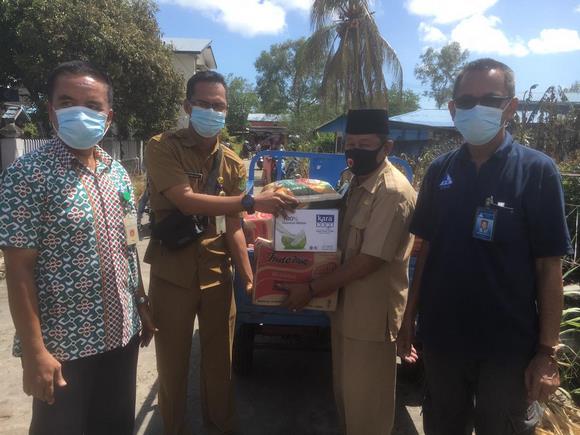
[363, 161]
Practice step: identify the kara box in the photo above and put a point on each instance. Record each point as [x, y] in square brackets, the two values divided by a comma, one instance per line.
[291, 267]
[307, 230]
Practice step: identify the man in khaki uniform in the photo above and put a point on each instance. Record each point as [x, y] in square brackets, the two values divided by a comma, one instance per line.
[376, 245]
[196, 280]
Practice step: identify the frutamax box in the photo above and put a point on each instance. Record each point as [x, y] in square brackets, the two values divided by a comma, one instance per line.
[291, 267]
[307, 230]
[258, 225]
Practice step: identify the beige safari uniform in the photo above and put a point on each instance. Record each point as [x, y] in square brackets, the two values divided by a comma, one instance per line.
[193, 281]
[375, 221]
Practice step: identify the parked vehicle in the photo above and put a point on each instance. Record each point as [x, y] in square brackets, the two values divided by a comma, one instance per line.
[255, 320]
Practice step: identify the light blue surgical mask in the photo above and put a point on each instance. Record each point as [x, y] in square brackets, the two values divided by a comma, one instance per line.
[478, 125]
[81, 128]
[207, 122]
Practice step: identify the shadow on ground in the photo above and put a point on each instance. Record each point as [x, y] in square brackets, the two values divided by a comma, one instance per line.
[288, 393]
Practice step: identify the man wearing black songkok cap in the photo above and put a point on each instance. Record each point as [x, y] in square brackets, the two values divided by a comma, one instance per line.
[373, 281]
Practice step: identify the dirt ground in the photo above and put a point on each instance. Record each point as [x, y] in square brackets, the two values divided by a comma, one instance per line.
[288, 393]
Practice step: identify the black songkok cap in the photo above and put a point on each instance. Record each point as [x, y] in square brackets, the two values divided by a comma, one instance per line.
[367, 121]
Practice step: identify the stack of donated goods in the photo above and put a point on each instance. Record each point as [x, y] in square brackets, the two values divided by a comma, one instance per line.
[296, 249]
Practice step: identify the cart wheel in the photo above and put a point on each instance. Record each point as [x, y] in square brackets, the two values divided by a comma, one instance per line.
[244, 349]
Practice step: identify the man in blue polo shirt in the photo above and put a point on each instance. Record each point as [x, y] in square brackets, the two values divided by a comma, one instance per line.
[488, 283]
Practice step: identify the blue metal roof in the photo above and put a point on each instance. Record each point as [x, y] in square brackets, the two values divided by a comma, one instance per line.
[422, 119]
[432, 118]
[337, 125]
[573, 97]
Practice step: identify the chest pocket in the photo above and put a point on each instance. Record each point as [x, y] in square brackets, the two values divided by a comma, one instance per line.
[510, 226]
[357, 227]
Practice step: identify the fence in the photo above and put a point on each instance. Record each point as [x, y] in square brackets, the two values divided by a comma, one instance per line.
[128, 152]
[573, 220]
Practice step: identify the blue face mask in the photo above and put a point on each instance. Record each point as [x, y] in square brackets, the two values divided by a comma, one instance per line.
[207, 122]
[81, 128]
[478, 125]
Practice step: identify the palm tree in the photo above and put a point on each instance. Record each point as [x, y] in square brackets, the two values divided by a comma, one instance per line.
[345, 32]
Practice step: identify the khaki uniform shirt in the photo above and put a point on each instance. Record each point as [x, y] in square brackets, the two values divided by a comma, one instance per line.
[375, 221]
[172, 158]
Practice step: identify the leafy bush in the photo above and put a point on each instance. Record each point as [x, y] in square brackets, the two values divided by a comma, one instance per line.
[30, 131]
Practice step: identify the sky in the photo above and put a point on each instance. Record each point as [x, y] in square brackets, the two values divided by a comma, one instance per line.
[538, 39]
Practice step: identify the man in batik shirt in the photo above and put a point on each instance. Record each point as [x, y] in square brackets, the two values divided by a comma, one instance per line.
[68, 231]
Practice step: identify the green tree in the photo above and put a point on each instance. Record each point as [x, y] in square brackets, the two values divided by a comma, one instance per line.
[283, 83]
[347, 37]
[438, 68]
[242, 100]
[407, 102]
[120, 37]
[289, 83]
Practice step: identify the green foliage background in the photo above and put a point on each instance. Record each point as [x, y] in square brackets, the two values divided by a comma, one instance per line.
[121, 37]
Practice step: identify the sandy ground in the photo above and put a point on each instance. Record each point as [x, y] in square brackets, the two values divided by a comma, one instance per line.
[289, 392]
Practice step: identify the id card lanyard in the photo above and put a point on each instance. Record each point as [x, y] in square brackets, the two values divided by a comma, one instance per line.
[486, 220]
[220, 221]
[129, 218]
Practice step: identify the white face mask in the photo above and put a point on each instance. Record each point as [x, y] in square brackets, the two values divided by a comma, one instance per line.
[478, 125]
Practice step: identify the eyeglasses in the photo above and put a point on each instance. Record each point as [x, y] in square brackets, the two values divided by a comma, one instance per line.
[469, 101]
[218, 107]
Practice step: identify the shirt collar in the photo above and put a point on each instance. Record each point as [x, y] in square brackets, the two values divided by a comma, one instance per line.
[70, 161]
[370, 184]
[500, 152]
[189, 140]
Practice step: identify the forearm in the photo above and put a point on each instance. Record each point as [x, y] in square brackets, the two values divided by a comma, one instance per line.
[550, 299]
[211, 205]
[23, 302]
[351, 270]
[237, 245]
[140, 288]
[413, 297]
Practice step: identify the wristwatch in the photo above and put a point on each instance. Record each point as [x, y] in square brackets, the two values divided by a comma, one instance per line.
[248, 203]
[142, 300]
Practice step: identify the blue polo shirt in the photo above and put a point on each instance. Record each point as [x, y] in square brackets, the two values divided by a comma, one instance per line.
[479, 297]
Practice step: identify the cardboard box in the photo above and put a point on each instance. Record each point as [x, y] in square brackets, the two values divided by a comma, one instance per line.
[258, 225]
[291, 267]
[307, 230]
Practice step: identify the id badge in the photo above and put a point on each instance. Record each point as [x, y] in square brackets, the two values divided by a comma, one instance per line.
[484, 224]
[131, 231]
[220, 224]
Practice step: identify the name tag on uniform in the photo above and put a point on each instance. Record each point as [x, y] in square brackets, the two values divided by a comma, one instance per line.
[195, 175]
[220, 224]
[131, 231]
[484, 224]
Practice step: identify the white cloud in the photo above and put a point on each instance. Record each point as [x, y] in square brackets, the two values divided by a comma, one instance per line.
[432, 34]
[248, 17]
[577, 8]
[480, 34]
[303, 5]
[555, 41]
[448, 11]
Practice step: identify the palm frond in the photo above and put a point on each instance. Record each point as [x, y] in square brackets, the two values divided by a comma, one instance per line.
[360, 62]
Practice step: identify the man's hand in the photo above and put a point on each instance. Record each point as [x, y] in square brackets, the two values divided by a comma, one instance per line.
[249, 287]
[542, 377]
[275, 202]
[41, 371]
[149, 328]
[405, 348]
[298, 295]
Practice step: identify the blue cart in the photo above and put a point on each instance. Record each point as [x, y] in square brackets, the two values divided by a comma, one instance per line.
[253, 319]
